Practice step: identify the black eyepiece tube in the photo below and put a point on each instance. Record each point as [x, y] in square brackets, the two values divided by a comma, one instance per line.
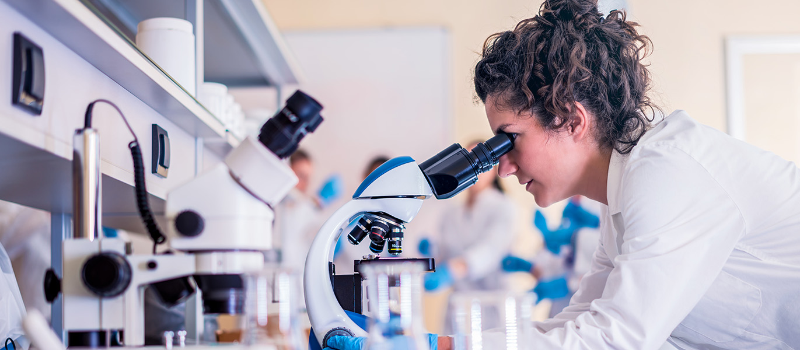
[454, 169]
[282, 133]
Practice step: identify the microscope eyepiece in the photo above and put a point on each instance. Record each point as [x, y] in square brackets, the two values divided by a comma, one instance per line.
[282, 133]
[454, 169]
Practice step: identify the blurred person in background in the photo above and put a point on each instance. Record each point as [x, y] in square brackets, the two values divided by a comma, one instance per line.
[24, 258]
[474, 237]
[566, 255]
[25, 234]
[297, 216]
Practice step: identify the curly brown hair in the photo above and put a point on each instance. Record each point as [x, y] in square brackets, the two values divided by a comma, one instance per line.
[570, 53]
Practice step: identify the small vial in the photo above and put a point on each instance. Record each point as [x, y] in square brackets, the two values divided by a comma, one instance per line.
[168, 336]
[182, 338]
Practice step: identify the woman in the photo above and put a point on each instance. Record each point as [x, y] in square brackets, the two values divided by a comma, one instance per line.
[700, 242]
[700, 232]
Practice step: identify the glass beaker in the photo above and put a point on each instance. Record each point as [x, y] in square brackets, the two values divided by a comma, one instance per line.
[491, 320]
[394, 291]
[272, 310]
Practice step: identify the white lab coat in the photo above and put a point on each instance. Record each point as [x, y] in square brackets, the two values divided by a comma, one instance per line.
[700, 244]
[481, 235]
[25, 234]
[296, 224]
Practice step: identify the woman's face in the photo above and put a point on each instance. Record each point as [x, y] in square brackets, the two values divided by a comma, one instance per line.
[548, 164]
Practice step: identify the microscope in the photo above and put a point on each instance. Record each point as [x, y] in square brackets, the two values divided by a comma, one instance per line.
[387, 199]
[219, 224]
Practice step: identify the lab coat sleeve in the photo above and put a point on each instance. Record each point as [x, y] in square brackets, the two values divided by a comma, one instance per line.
[484, 257]
[678, 228]
[591, 288]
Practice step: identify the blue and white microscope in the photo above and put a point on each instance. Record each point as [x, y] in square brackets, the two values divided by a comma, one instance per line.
[387, 199]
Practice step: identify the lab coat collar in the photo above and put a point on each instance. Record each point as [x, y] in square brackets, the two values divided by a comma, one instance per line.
[614, 185]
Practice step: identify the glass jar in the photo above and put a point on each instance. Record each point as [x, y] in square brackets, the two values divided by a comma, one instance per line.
[491, 320]
[272, 310]
[394, 290]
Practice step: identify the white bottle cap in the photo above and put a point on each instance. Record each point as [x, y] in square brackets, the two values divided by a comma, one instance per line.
[165, 23]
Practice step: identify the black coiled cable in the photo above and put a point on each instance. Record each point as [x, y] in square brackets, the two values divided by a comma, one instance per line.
[141, 196]
[140, 189]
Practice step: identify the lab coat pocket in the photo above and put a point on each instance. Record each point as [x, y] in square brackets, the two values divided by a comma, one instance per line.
[723, 313]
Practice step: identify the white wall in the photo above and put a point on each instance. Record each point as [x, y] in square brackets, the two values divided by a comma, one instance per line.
[384, 92]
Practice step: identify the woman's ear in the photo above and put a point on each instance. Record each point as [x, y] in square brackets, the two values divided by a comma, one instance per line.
[578, 125]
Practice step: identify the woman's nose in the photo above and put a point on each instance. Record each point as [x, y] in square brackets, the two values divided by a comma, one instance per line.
[507, 166]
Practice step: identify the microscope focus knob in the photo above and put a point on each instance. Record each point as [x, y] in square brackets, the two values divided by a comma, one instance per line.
[189, 223]
[52, 286]
[107, 274]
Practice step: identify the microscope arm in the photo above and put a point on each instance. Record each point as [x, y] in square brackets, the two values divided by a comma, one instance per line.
[148, 269]
[327, 316]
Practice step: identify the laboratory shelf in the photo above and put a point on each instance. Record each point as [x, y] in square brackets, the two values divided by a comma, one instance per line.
[36, 151]
[242, 45]
[79, 29]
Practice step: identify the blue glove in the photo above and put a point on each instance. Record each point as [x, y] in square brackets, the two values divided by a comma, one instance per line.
[109, 232]
[578, 217]
[551, 289]
[425, 247]
[540, 222]
[441, 278]
[331, 190]
[352, 343]
[516, 264]
[554, 240]
[341, 342]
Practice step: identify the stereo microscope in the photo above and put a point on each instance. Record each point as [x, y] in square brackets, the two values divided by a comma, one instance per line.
[219, 225]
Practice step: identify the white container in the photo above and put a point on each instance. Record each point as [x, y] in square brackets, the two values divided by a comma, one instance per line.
[214, 97]
[237, 126]
[169, 42]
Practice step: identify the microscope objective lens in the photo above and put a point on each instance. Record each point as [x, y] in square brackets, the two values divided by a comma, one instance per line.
[377, 246]
[378, 231]
[357, 234]
[395, 246]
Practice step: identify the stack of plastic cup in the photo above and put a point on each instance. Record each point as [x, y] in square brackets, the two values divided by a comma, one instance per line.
[214, 97]
[492, 320]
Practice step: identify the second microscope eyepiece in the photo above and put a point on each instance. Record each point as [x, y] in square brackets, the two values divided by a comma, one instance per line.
[282, 133]
[454, 169]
